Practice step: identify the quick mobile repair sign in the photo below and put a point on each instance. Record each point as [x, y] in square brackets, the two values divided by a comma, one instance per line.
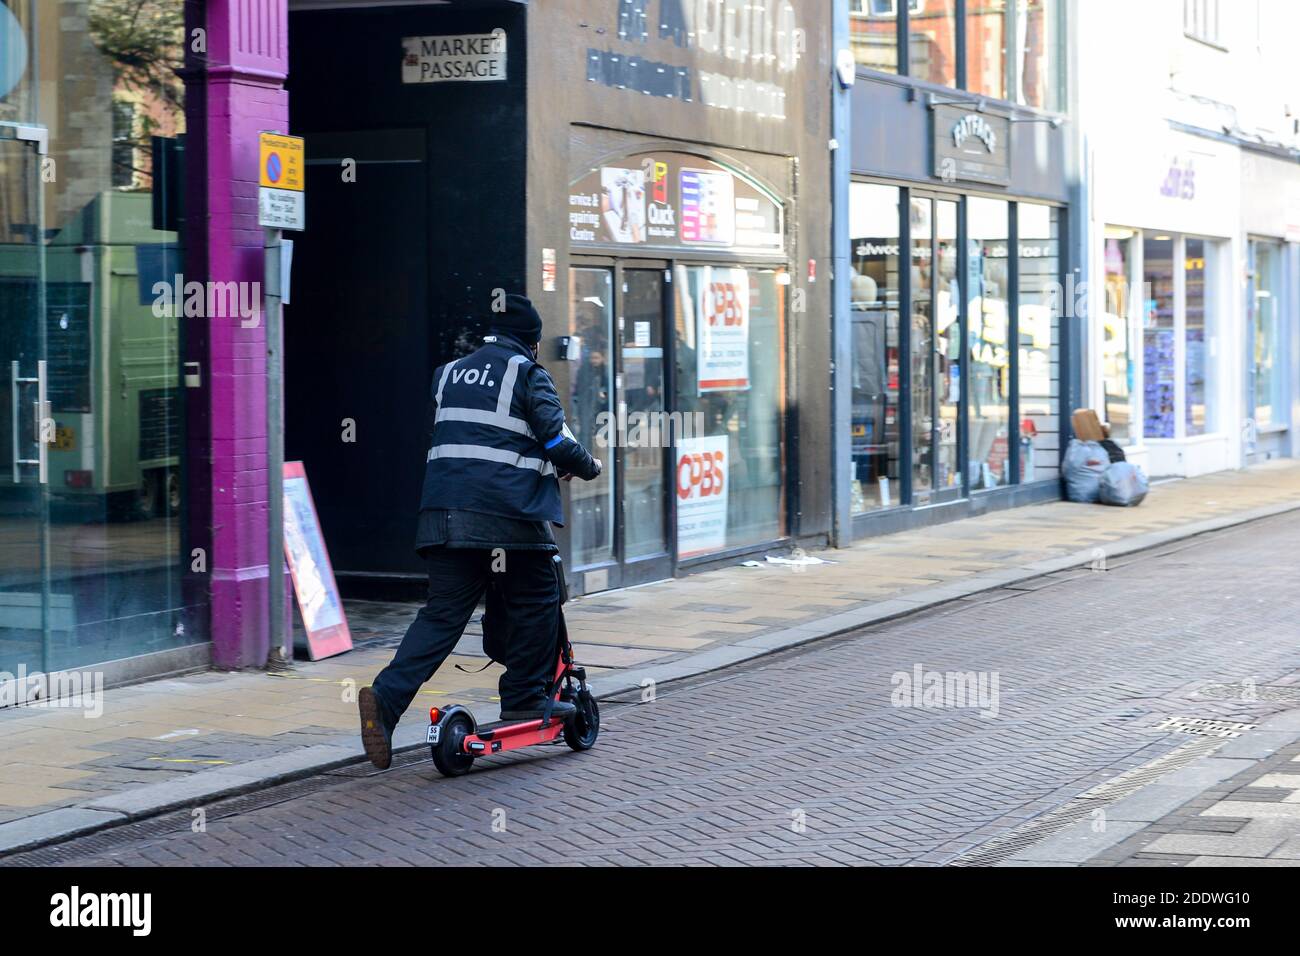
[474, 57]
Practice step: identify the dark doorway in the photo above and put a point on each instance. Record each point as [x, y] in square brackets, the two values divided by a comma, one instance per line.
[357, 344]
[415, 214]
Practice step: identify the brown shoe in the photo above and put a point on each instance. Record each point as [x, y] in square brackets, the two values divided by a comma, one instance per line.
[375, 737]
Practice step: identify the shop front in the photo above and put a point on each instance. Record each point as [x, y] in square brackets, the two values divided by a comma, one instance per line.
[960, 278]
[640, 170]
[678, 296]
[1166, 346]
[677, 216]
[643, 171]
[1271, 374]
[95, 491]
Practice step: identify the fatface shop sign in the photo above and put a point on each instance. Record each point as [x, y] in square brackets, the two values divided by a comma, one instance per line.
[972, 147]
[469, 58]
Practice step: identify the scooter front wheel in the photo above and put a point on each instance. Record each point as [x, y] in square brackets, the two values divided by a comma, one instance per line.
[582, 729]
[449, 752]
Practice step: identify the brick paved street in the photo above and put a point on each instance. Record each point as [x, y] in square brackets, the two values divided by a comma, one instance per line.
[801, 758]
[188, 734]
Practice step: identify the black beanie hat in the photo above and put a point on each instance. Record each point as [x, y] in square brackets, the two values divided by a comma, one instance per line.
[519, 318]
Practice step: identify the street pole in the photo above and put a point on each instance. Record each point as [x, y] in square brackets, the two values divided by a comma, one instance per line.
[279, 653]
[841, 284]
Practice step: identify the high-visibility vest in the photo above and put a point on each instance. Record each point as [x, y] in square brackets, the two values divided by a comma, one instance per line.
[484, 456]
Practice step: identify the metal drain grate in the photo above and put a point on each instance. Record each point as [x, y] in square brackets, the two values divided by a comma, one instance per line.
[1288, 693]
[1081, 807]
[1203, 727]
[401, 759]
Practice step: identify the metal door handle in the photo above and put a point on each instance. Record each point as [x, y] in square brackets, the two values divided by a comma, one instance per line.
[42, 412]
[13, 418]
[42, 416]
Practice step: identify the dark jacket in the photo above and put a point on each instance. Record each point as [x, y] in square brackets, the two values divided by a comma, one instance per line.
[468, 529]
[498, 442]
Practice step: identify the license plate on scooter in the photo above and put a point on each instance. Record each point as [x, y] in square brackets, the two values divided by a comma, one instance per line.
[434, 734]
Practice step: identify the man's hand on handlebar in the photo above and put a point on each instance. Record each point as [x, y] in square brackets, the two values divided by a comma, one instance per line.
[568, 475]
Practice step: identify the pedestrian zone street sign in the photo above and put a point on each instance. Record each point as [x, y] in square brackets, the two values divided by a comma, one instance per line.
[281, 181]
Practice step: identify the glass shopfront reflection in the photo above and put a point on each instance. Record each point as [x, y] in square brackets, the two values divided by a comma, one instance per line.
[677, 362]
[644, 490]
[935, 347]
[874, 300]
[1197, 367]
[738, 423]
[932, 42]
[948, 351]
[1268, 334]
[591, 403]
[1178, 335]
[1158, 349]
[722, 329]
[921, 348]
[1038, 331]
[967, 410]
[1117, 335]
[990, 343]
[92, 497]
[1013, 51]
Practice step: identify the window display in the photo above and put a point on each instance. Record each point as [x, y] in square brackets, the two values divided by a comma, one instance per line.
[1178, 346]
[1266, 360]
[591, 402]
[874, 297]
[730, 330]
[1039, 321]
[1116, 360]
[990, 354]
[1197, 367]
[934, 395]
[1158, 337]
[91, 263]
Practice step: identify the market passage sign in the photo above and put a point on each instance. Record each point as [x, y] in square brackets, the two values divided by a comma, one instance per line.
[673, 201]
[473, 58]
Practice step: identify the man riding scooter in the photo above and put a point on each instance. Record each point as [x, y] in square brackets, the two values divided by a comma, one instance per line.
[491, 492]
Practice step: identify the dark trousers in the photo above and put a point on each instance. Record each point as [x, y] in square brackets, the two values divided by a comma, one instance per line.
[526, 589]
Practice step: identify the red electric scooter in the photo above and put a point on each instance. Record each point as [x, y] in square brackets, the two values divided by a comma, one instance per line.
[455, 739]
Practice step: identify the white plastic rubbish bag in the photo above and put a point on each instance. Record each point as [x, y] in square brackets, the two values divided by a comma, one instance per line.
[1123, 484]
[1085, 462]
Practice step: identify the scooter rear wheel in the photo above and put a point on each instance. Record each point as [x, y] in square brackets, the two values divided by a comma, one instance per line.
[582, 729]
[449, 753]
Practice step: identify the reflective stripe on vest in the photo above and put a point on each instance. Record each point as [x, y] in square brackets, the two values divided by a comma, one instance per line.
[485, 457]
[501, 418]
[499, 455]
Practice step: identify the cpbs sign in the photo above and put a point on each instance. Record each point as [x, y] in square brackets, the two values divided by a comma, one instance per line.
[702, 481]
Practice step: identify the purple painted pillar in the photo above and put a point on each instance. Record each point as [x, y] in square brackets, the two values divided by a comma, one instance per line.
[248, 60]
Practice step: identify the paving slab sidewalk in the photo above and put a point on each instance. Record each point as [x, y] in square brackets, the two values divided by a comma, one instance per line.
[1237, 805]
[183, 741]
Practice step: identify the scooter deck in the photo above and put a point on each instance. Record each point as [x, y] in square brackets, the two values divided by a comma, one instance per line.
[511, 735]
[487, 731]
